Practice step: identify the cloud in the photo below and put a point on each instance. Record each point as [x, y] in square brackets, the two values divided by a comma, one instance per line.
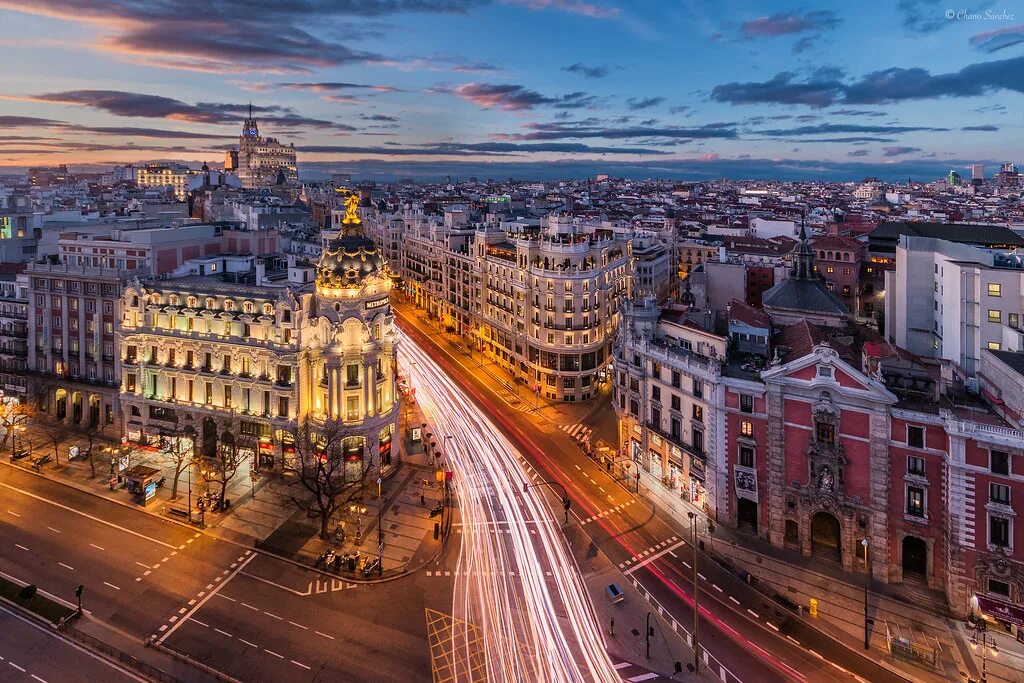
[580, 7]
[993, 41]
[679, 109]
[833, 128]
[477, 149]
[26, 122]
[988, 128]
[780, 89]
[231, 36]
[856, 112]
[330, 87]
[377, 117]
[899, 151]
[880, 87]
[559, 130]
[509, 97]
[780, 24]
[858, 153]
[637, 103]
[853, 139]
[896, 84]
[598, 71]
[139, 105]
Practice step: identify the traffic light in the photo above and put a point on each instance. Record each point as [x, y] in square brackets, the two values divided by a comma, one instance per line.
[678, 668]
[566, 503]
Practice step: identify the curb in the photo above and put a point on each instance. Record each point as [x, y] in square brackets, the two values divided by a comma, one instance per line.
[152, 642]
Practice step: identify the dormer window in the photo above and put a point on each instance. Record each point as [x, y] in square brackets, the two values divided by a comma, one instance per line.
[173, 299]
[192, 301]
[825, 371]
[211, 302]
[248, 307]
[229, 305]
[268, 309]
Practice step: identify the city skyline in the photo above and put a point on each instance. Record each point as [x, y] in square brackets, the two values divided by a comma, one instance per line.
[525, 88]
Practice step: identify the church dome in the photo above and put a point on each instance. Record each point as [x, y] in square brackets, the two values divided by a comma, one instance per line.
[347, 261]
[351, 257]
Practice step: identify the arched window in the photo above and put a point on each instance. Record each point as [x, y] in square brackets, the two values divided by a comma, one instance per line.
[268, 309]
[248, 307]
[229, 305]
[211, 302]
[154, 298]
[173, 299]
[192, 302]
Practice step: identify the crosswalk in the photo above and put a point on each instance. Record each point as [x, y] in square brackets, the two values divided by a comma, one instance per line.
[632, 673]
[578, 431]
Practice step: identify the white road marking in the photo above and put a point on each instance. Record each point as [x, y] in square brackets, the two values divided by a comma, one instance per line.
[16, 667]
[299, 625]
[202, 602]
[98, 547]
[245, 604]
[143, 565]
[273, 615]
[300, 664]
[56, 531]
[772, 626]
[41, 680]
[273, 653]
[816, 654]
[66, 566]
[221, 595]
[246, 642]
[653, 557]
[223, 633]
[105, 583]
[12, 512]
[196, 621]
[701, 576]
[793, 639]
[753, 613]
[323, 634]
[715, 586]
[734, 600]
[18, 545]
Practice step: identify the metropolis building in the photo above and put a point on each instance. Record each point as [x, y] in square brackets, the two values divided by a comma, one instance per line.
[251, 347]
[260, 161]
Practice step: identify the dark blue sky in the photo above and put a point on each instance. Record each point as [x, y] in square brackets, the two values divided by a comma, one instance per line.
[520, 87]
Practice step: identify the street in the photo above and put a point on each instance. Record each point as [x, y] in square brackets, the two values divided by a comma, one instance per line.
[735, 623]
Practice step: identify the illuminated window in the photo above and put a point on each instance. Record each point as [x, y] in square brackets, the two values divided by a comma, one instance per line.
[229, 305]
[211, 302]
[747, 428]
[830, 269]
[993, 346]
[268, 309]
[994, 315]
[248, 307]
[995, 289]
[192, 302]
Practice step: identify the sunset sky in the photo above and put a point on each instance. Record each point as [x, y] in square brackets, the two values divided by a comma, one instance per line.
[541, 88]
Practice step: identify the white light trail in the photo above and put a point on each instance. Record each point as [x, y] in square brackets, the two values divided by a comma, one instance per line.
[534, 626]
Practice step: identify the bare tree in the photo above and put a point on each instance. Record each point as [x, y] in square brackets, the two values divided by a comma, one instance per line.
[177, 449]
[329, 484]
[233, 449]
[38, 391]
[91, 433]
[55, 432]
[14, 415]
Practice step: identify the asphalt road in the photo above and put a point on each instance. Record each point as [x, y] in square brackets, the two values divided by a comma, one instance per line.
[251, 615]
[29, 652]
[755, 640]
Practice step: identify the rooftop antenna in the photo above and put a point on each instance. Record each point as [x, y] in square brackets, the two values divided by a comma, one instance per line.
[250, 109]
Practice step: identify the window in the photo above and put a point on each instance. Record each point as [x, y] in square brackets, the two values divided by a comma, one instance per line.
[999, 587]
[746, 403]
[995, 315]
[747, 428]
[999, 531]
[915, 501]
[993, 346]
[656, 418]
[995, 290]
[676, 428]
[846, 271]
[915, 436]
[746, 456]
[656, 393]
[698, 389]
[352, 374]
[825, 433]
[129, 383]
[676, 402]
[634, 407]
[999, 493]
[227, 396]
[675, 379]
[1013, 320]
[830, 269]
[698, 413]
[915, 465]
[999, 462]
[282, 406]
[209, 393]
[697, 437]
[824, 371]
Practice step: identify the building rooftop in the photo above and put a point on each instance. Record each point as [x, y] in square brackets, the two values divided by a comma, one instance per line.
[988, 235]
[1014, 360]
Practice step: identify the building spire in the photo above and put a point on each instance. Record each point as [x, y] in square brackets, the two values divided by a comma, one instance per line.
[250, 109]
[803, 266]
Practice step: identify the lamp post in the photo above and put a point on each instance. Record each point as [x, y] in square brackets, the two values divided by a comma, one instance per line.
[380, 531]
[696, 591]
[867, 580]
[985, 644]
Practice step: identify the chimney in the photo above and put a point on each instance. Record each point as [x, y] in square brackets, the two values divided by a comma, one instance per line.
[721, 254]
[261, 271]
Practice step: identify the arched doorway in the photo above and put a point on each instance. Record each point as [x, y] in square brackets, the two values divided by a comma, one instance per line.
[825, 537]
[94, 410]
[209, 438]
[76, 407]
[915, 558]
[746, 515]
[189, 435]
[61, 398]
[227, 446]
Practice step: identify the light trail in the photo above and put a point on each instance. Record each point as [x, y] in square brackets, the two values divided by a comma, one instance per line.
[516, 580]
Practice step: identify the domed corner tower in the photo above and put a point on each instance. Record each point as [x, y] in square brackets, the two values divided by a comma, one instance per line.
[349, 360]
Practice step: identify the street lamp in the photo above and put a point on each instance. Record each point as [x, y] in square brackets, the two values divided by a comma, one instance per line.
[867, 580]
[696, 590]
[985, 645]
[380, 531]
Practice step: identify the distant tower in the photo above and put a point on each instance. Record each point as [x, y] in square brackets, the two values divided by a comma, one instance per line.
[978, 172]
[250, 131]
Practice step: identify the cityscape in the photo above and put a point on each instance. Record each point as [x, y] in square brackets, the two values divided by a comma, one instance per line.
[511, 341]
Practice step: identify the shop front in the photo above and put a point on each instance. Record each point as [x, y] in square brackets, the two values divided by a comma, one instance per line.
[266, 453]
[386, 437]
[698, 492]
[675, 469]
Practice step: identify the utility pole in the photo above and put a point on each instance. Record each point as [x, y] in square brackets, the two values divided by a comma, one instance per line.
[648, 634]
[696, 592]
[867, 580]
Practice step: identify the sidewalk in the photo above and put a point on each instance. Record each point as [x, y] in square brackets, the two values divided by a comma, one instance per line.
[839, 594]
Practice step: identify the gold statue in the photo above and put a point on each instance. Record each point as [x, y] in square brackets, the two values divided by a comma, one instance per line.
[351, 210]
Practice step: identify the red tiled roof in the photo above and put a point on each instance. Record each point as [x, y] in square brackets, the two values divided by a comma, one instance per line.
[15, 268]
[837, 242]
[745, 313]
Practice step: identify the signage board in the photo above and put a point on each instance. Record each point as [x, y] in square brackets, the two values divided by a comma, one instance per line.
[1001, 610]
